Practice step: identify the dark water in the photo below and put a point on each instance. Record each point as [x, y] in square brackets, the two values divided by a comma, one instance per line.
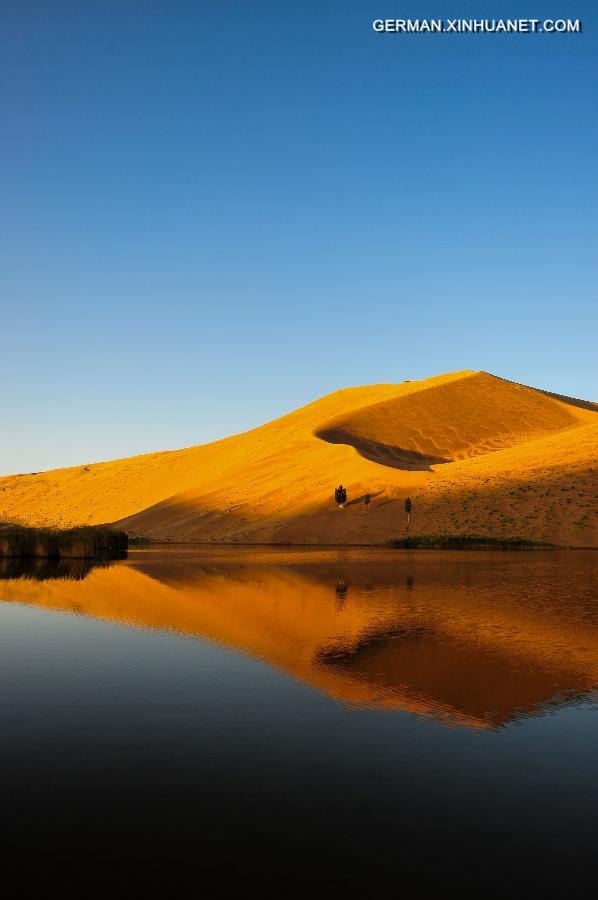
[314, 723]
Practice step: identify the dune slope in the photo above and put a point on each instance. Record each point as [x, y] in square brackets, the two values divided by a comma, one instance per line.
[476, 453]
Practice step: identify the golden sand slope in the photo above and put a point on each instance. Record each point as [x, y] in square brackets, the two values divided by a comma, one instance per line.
[475, 452]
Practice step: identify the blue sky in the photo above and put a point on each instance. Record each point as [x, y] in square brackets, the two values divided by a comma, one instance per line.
[214, 211]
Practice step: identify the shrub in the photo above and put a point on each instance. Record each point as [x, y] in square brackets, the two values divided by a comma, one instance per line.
[83, 542]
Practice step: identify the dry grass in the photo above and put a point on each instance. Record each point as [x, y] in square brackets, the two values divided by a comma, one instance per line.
[84, 542]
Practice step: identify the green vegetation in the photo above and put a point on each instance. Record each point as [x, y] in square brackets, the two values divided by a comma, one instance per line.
[466, 542]
[85, 542]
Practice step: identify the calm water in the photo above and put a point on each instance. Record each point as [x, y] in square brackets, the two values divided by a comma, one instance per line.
[319, 722]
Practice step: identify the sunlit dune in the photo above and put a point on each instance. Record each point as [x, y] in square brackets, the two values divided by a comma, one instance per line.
[477, 454]
[373, 632]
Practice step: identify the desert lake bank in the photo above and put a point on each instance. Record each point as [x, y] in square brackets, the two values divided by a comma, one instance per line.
[366, 710]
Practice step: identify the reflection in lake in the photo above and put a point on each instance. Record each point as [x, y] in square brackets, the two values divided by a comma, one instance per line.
[475, 639]
[349, 717]
[45, 568]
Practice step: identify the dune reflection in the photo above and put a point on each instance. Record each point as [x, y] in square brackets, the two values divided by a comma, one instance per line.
[473, 639]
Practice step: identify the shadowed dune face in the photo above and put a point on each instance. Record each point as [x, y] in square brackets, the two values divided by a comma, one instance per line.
[573, 401]
[465, 446]
[379, 452]
[476, 640]
[475, 415]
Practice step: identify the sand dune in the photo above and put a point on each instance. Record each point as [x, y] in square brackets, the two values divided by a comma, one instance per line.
[476, 453]
[440, 423]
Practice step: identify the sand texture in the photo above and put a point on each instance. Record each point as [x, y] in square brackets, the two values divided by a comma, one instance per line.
[476, 453]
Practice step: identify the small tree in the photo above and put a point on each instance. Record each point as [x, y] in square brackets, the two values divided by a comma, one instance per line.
[408, 508]
[367, 500]
[340, 496]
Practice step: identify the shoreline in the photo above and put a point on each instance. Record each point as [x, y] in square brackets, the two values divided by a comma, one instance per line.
[536, 546]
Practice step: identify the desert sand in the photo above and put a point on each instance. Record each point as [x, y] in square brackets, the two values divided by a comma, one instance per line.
[477, 454]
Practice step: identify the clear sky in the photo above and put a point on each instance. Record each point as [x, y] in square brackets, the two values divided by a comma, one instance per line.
[215, 211]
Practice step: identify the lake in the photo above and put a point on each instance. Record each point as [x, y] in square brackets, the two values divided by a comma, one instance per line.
[316, 722]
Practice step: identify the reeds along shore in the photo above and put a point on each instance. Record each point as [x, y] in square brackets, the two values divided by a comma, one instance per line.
[84, 542]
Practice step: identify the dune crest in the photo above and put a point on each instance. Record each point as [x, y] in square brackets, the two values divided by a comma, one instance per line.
[476, 453]
[470, 416]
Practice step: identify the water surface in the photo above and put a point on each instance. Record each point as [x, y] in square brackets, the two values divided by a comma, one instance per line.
[319, 721]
